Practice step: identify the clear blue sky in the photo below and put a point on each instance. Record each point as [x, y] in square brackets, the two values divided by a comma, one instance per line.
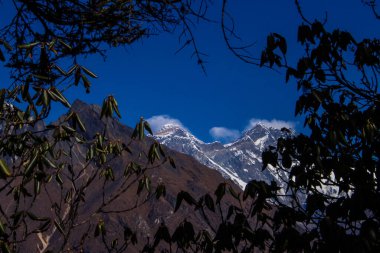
[149, 79]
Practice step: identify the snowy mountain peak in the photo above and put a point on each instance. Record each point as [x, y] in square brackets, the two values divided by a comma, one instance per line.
[260, 128]
[170, 129]
[176, 133]
[239, 161]
[260, 124]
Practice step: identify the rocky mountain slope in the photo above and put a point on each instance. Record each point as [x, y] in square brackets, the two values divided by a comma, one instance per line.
[54, 199]
[239, 161]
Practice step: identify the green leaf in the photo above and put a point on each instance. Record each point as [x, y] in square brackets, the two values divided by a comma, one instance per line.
[160, 191]
[290, 72]
[16, 217]
[162, 234]
[220, 192]
[2, 98]
[230, 212]
[100, 228]
[58, 178]
[64, 44]
[171, 161]
[4, 247]
[271, 42]
[80, 123]
[188, 230]
[88, 72]
[2, 58]
[43, 227]
[147, 184]
[68, 129]
[161, 150]
[304, 33]
[147, 127]
[320, 75]
[104, 110]
[114, 243]
[233, 192]
[286, 160]
[110, 174]
[86, 82]
[59, 227]
[47, 162]
[2, 229]
[60, 70]
[264, 58]
[269, 157]
[4, 170]
[315, 202]
[178, 201]
[46, 78]
[71, 70]
[77, 76]
[209, 202]
[141, 129]
[283, 46]
[141, 185]
[317, 28]
[280, 42]
[28, 46]
[115, 106]
[37, 186]
[6, 45]
[60, 97]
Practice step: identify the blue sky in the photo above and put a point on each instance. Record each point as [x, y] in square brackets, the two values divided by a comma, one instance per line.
[148, 79]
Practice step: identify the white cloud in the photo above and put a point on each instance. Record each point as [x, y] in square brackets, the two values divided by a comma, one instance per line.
[224, 134]
[274, 123]
[158, 121]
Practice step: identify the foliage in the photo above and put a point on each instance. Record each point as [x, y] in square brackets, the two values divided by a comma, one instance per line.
[338, 78]
[39, 165]
[332, 200]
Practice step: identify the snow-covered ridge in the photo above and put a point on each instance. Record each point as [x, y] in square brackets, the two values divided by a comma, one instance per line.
[169, 128]
[239, 161]
[175, 130]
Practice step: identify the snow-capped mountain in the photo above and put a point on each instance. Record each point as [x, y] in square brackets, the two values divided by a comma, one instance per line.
[239, 161]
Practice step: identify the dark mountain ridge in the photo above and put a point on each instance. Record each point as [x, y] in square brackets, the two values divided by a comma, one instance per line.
[144, 214]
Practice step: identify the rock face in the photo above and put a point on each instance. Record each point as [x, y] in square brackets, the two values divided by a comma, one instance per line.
[239, 161]
[189, 175]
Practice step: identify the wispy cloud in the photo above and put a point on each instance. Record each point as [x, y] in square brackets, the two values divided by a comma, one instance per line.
[158, 121]
[224, 134]
[274, 123]
[219, 133]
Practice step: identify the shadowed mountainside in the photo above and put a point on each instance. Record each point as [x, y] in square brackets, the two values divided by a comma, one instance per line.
[144, 219]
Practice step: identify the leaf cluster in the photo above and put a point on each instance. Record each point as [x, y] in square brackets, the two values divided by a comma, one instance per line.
[331, 198]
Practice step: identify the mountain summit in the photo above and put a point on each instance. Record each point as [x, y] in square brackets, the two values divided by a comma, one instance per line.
[239, 161]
